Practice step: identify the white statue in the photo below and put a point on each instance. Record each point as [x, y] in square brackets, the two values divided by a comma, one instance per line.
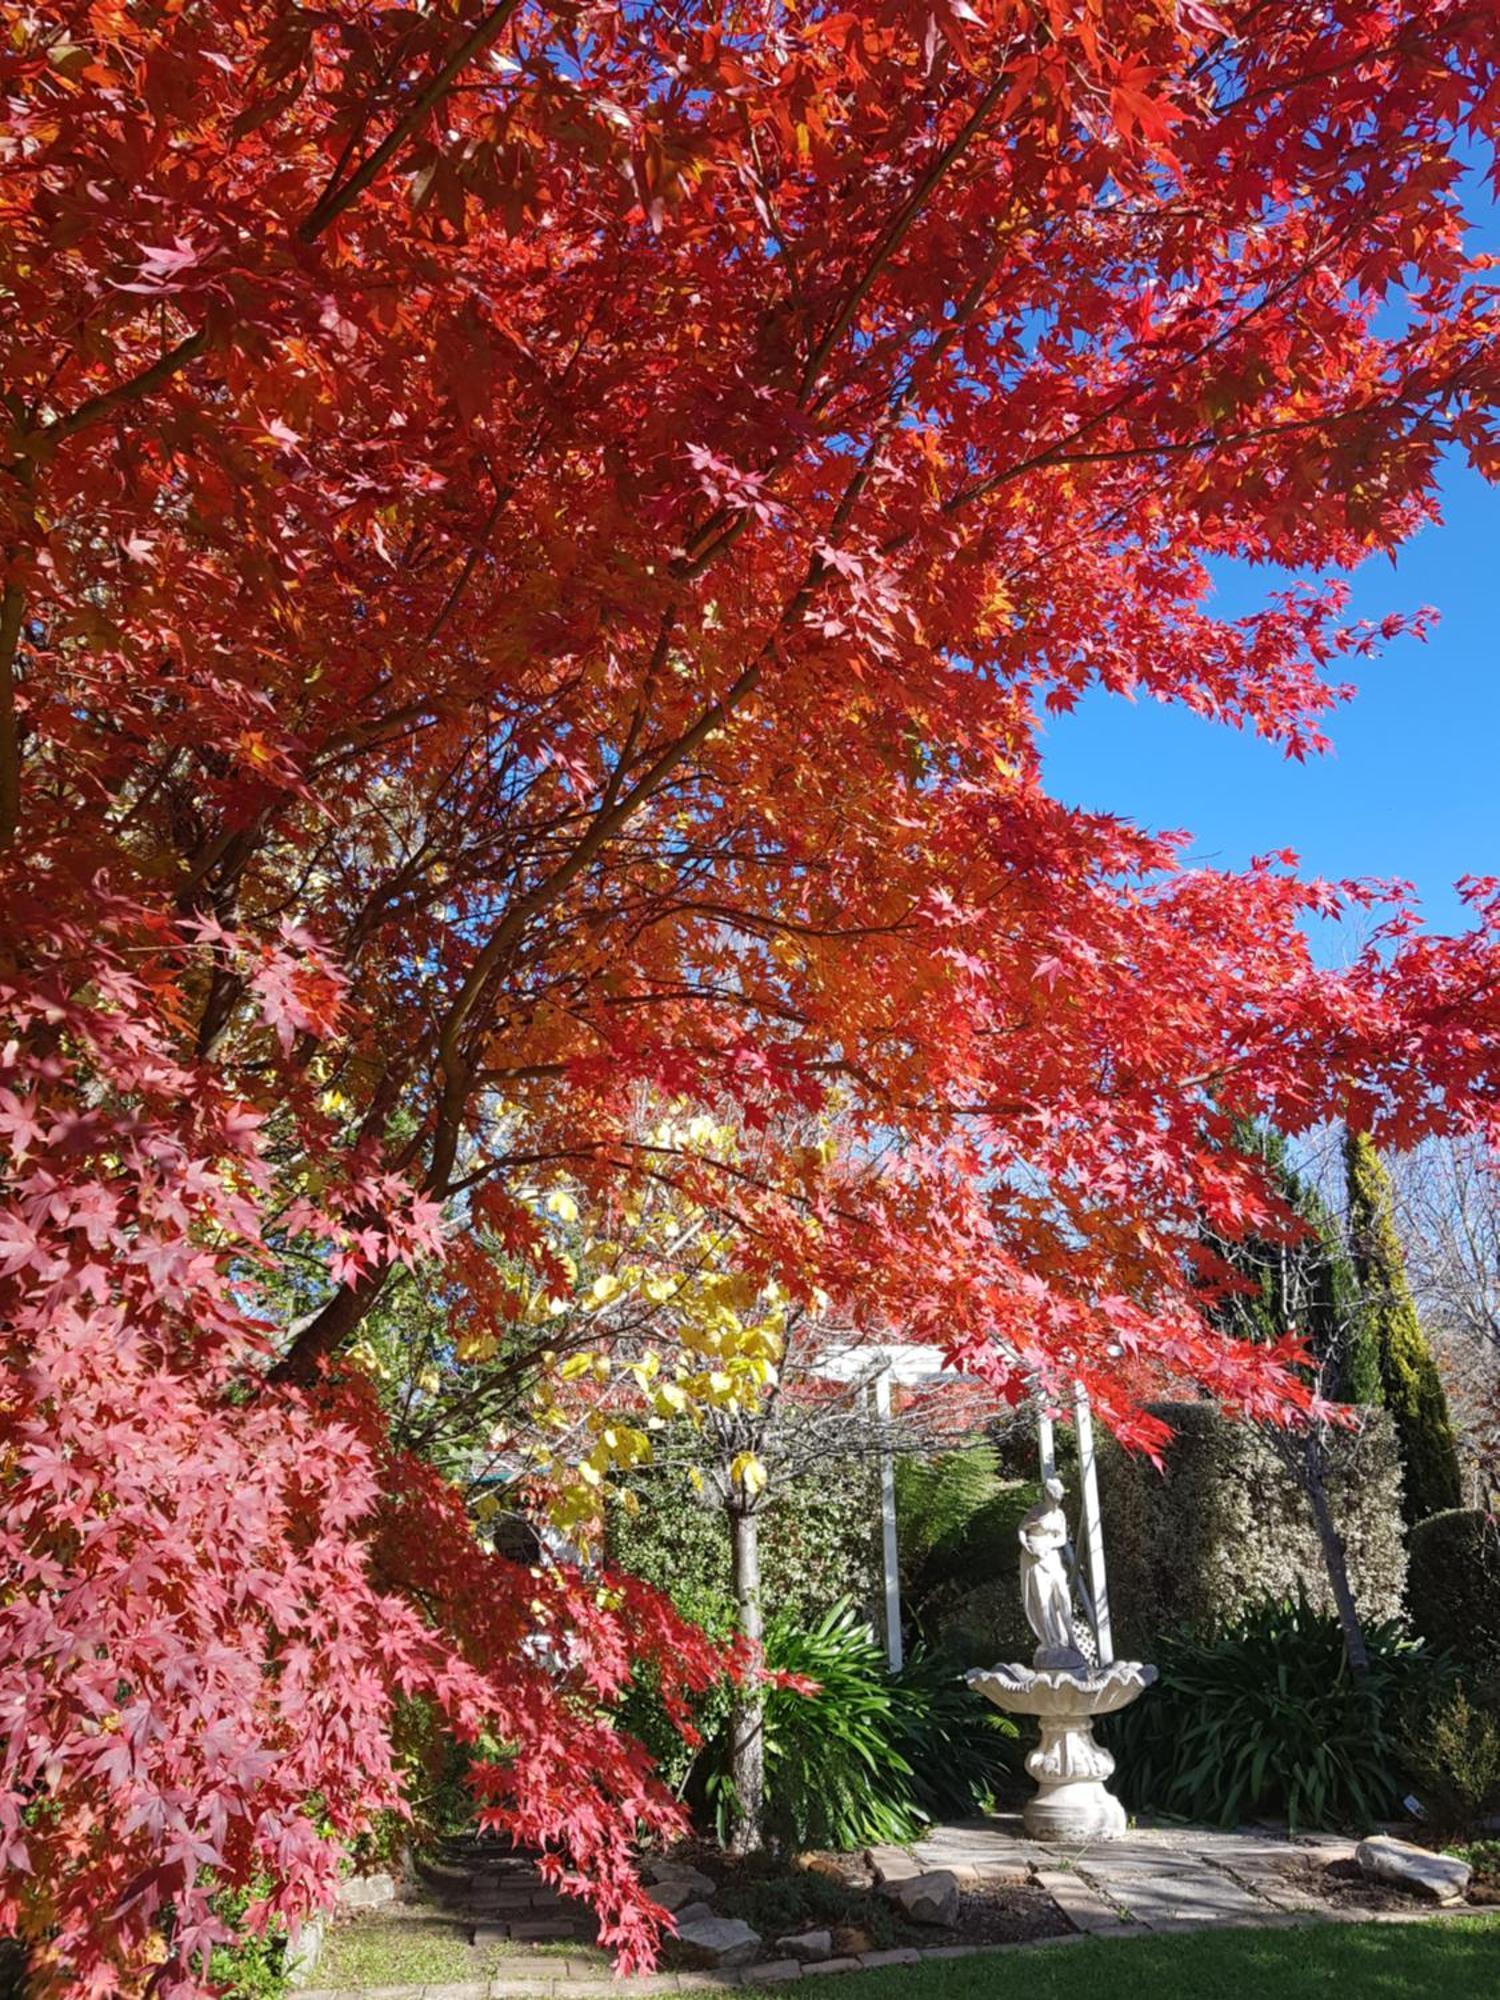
[1045, 1590]
[1063, 1689]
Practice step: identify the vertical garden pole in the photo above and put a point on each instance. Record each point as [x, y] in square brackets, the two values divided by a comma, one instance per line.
[1093, 1524]
[1046, 1443]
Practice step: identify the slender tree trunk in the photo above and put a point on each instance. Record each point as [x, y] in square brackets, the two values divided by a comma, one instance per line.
[747, 1741]
[1335, 1561]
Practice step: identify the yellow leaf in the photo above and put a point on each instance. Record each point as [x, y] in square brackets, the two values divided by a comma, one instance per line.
[748, 1472]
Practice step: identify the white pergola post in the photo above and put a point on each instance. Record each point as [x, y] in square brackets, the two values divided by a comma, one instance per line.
[1093, 1525]
[889, 1553]
[1046, 1442]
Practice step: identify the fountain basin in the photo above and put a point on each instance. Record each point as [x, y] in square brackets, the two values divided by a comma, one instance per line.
[1072, 1802]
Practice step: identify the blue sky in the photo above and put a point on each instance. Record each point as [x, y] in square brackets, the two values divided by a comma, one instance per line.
[1411, 788]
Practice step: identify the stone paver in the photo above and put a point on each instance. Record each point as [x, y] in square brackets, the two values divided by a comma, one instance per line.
[1080, 1902]
[1176, 1896]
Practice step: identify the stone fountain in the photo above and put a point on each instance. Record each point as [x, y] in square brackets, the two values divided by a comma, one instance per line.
[1063, 1689]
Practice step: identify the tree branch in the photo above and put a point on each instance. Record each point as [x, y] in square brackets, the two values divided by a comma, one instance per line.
[340, 195]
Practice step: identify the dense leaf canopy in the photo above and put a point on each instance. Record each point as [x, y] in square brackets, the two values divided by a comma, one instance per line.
[536, 538]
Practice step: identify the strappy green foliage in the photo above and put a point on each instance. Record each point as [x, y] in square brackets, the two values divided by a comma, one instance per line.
[871, 1756]
[1266, 1721]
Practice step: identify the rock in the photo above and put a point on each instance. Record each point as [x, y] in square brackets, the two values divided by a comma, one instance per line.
[835, 1867]
[659, 1870]
[716, 1941]
[674, 1894]
[927, 1899]
[807, 1945]
[1435, 1875]
[369, 1892]
[302, 1951]
[693, 1913]
[891, 1864]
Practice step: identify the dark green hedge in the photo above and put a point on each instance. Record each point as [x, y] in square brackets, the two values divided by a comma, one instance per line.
[1226, 1526]
[1453, 1585]
[819, 1543]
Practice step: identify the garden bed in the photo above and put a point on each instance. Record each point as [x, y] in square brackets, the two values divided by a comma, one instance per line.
[780, 1897]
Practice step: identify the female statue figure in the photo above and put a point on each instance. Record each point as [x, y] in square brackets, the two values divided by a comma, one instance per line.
[1045, 1591]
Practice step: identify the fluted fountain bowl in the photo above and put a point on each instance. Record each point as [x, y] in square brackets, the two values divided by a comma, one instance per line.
[1071, 1803]
[1062, 1691]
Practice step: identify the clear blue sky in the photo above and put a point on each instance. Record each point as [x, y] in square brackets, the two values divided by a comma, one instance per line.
[1411, 788]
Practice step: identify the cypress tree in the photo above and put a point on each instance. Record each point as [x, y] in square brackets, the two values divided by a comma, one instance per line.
[1411, 1387]
[1311, 1281]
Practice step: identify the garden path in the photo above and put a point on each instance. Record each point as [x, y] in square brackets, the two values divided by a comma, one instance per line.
[1154, 1880]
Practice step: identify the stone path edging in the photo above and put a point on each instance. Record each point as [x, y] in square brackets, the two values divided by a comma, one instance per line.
[1160, 1882]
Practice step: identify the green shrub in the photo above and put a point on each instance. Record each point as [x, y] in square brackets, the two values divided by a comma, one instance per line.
[835, 1774]
[1266, 1721]
[252, 1967]
[1451, 1750]
[643, 1715]
[959, 1746]
[937, 1499]
[1226, 1526]
[872, 1756]
[819, 1543]
[1453, 1587]
[956, 1522]
[12, 1969]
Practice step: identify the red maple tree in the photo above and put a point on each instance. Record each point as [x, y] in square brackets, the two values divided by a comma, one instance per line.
[535, 538]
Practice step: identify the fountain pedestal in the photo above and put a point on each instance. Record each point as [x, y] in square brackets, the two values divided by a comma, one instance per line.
[1072, 1803]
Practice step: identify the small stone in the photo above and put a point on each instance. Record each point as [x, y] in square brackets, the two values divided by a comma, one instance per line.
[694, 1913]
[927, 1899]
[849, 1941]
[658, 1868]
[834, 1867]
[719, 1941]
[807, 1945]
[675, 1893]
[892, 1864]
[1398, 1861]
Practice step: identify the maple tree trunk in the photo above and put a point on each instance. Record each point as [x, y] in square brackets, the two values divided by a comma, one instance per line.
[747, 1740]
[1334, 1559]
[11, 605]
[327, 1331]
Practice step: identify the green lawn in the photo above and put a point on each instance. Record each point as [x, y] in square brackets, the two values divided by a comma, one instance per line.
[417, 1951]
[1450, 1958]
[1447, 1959]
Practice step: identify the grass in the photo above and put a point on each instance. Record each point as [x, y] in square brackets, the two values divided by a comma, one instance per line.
[1452, 1958]
[416, 1951]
